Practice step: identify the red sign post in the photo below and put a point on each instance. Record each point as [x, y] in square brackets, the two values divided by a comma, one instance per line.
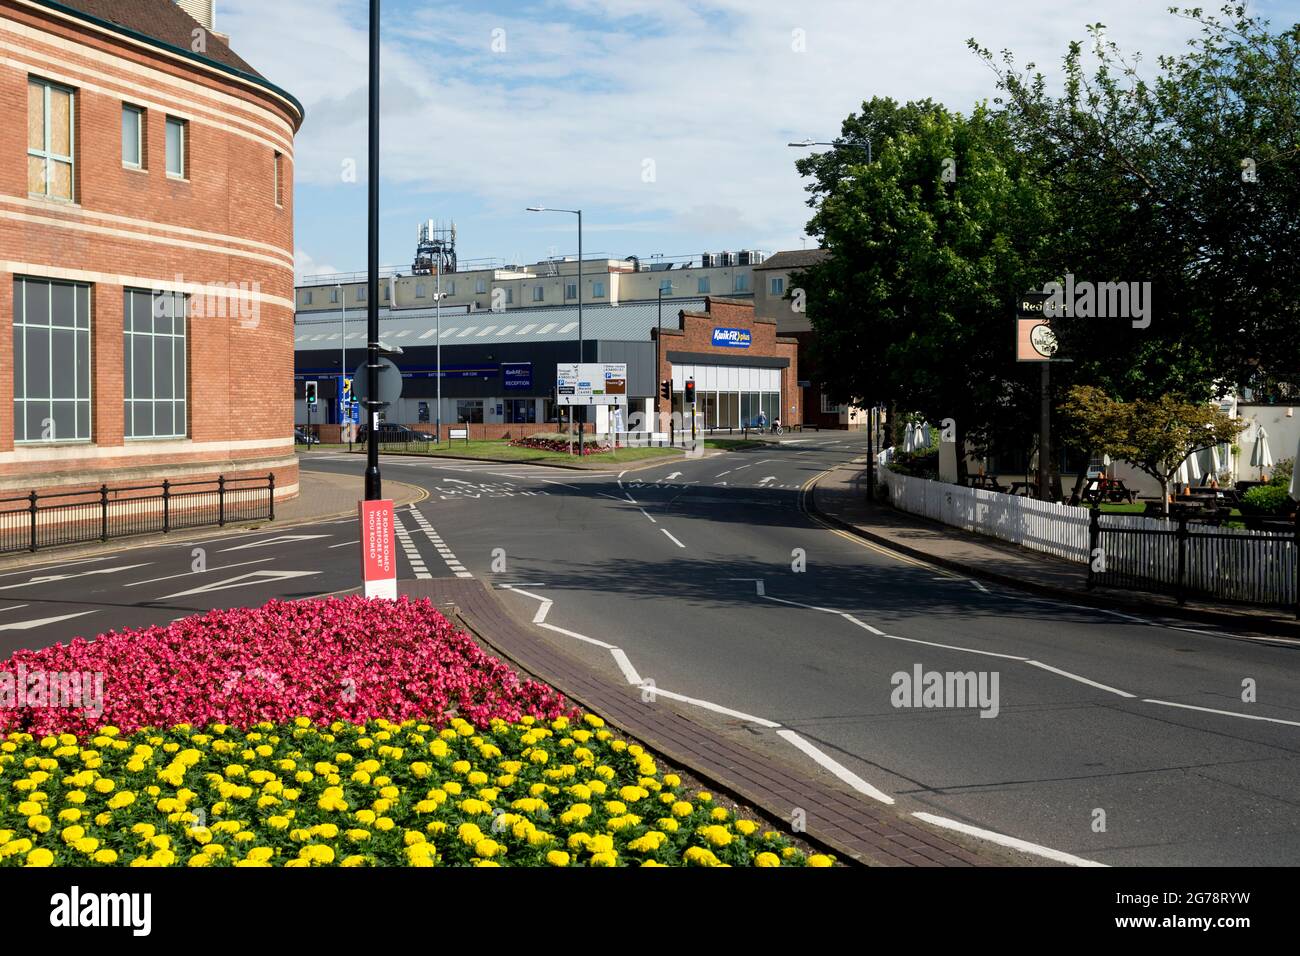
[378, 553]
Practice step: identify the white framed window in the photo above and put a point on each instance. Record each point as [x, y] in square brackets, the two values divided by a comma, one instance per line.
[334, 295]
[703, 285]
[362, 292]
[742, 282]
[178, 132]
[510, 295]
[155, 364]
[570, 290]
[51, 145]
[385, 296]
[419, 290]
[829, 407]
[51, 361]
[451, 288]
[598, 290]
[539, 293]
[480, 286]
[306, 297]
[133, 126]
[777, 285]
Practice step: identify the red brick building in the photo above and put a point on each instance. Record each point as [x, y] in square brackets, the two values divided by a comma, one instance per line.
[740, 366]
[146, 251]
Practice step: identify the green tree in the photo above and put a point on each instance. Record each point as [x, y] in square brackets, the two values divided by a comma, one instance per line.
[1154, 435]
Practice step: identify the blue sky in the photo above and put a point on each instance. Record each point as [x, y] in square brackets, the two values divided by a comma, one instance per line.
[666, 121]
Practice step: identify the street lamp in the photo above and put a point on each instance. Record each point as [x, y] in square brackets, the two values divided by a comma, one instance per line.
[373, 483]
[836, 144]
[578, 213]
[438, 300]
[659, 353]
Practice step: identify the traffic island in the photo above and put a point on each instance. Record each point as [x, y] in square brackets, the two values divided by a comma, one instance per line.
[333, 732]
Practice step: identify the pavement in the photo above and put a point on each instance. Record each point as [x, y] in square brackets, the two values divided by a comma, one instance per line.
[841, 497]
[706, 605]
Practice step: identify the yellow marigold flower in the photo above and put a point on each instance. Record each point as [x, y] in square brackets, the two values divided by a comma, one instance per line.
[747, 827]
[384, 824]
[789, 852]
[452, 787]
[601, 843]
[651, 863]
[476, 807]
[591, 720]
[667, 823]
[623, 822]
[575, 814]
[538, 837]
[103, 819]
[477, 778]
[557, 858]
[767, 859]
[327, 830]
[277, 822]
[412, 837]
[538, 756]
[365, 816]
[701, 857]
[597, 786]
[618, 746]
[820, 859]
[264, 751]
[87, 845]
[39, 823]
[720, 814]
[260, 854]
[648, 843]
[420, 770]
[631, 794]
[357, 835]
[244, 836]
[421, 854]
[682, 809]
[469, 833]
[460, 766]
[353, 861]
[105, 856]
[72, 833]
[74, 796]
[717, 835]
[604, 858]
[487, 848]
[332, 799]
[317, 853]
[123, 798]
[40, 857]
[29, 808]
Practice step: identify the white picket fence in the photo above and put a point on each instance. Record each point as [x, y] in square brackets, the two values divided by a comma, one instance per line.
[1041, 525]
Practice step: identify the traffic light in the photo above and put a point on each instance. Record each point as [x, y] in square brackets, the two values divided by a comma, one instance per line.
[666, 390]
[690, 391]
[311, 393]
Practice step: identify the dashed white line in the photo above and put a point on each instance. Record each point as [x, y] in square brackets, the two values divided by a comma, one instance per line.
[408, 548]
[1225, 713]
[453, 564]
[1008, 841]
[845, 774]
[671, 538]
[647, 514]
[1081, 680]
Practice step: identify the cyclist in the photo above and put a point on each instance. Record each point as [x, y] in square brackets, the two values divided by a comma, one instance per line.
[776, 427]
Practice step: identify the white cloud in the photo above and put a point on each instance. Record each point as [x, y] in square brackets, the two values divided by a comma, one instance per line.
[305, 265]
[711, 91]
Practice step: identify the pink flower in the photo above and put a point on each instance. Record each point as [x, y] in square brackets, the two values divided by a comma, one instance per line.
[348, 659]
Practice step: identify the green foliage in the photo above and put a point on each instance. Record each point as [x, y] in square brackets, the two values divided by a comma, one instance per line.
[1282, 473]
[1270, 499]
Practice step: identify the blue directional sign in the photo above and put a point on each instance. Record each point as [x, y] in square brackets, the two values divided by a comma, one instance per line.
[731, 338]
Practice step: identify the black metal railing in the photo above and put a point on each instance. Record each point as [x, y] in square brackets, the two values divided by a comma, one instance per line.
[1184, 558]
[34, 521]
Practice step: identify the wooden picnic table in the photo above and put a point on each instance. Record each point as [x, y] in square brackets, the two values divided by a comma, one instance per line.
[986, 482]
[1025, 489]
[1108, 489]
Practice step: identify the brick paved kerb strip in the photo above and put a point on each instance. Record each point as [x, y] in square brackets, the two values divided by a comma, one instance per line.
[842, 822]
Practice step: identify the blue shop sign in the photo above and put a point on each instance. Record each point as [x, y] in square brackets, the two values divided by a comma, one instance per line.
[731, 338]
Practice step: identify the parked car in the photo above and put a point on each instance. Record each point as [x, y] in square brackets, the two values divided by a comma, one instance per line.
[303, 437]
[391, 432]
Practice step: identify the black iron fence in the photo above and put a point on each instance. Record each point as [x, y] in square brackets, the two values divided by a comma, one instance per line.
[1182, 557]
[34, 521]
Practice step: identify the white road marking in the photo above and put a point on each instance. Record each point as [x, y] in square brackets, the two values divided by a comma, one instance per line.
[50, 567]
[1225, 713]
[452, 562]
[844, 773]
[51, 578]
[12, 607]
[1008, 841]
[763, 481]
[560, 483]
[979, 585]
[41, 621]
[408, 548]
[267, 576]
[343, 544]
[1081, 680]
[721, 473]
[647, 514]
[671, 538]
[716, 708]
[674, 476]
[625, 665]
[186, 574]
[281, 539]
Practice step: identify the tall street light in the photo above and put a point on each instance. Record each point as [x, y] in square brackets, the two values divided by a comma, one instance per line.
[438, 298]
[852, 144]
[659, 355]
[836, 144]
[578, 213]
[343, 349]
[373, 484]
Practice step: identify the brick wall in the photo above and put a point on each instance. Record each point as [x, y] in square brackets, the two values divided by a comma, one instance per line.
[218, 227]
[695, 334]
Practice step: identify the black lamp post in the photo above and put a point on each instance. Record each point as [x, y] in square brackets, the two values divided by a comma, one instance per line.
[373, 404]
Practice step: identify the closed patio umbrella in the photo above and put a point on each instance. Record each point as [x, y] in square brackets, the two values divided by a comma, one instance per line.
[1194, 467]
[1294, 490]
[1180, 476]
[1262, 456]
[923, 436]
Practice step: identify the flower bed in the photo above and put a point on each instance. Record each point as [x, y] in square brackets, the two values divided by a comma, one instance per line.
[561, 444]
[524, 793]
[330, 659]
[337, 732]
